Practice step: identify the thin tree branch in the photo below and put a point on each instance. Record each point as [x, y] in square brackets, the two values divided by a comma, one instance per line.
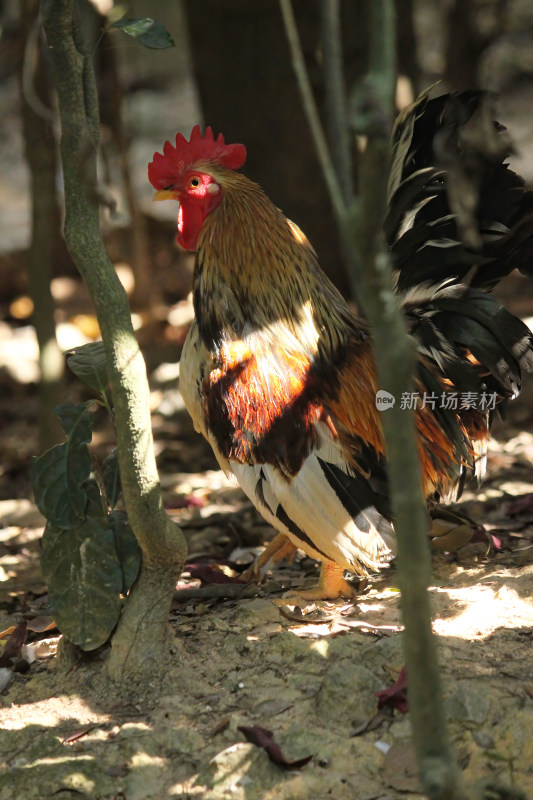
[395, 361]
[30, 95]
[341, 211]
[339, 139]
[311, 112]
[382, 47]
[41, 154]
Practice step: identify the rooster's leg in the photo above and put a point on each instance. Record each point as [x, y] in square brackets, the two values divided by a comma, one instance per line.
[331, 585]
[280, 547]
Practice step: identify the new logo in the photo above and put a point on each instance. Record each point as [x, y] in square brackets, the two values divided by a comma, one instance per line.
[384, 400]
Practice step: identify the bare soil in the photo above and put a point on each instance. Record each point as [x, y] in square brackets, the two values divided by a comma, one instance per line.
[308, 675]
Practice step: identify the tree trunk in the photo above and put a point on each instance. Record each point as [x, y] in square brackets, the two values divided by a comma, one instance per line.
[161, 541]
[247, 89]
[466, 42]
[41, 154]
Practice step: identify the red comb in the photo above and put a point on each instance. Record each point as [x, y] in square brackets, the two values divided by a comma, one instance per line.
[175, 160]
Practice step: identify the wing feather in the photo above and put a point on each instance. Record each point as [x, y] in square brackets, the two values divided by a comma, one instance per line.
[328, 509]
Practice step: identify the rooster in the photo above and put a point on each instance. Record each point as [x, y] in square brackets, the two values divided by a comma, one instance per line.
[278, 372]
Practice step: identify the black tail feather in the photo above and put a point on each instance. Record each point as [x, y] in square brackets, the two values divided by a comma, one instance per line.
[467, 341]
[470, 339]
[425, 239]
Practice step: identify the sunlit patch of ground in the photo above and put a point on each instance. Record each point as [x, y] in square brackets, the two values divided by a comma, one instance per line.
[481, 609]
[309, 678]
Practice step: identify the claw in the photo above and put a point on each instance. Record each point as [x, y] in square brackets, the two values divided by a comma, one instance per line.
[279, 548]
[331, 585]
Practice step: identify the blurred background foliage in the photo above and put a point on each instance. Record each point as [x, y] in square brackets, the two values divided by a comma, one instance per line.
[231, 69]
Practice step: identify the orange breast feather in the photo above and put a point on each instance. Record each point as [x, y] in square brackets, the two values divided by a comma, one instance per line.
[262, 413]
[266, 412]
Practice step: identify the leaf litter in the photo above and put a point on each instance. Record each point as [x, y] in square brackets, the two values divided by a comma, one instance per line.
[265, 739]
[246, 658]
[396, 695]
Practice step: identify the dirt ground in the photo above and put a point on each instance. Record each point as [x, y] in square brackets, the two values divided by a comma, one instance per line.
[252, 659]
[246, 657]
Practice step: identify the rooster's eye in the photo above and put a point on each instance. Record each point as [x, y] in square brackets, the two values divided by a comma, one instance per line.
[194, 183]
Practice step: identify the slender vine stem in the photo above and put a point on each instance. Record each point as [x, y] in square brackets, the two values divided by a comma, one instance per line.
[311, 111]
[339, 137]
[364, 242]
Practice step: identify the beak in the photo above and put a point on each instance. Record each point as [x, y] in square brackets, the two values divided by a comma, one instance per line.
[165, 194]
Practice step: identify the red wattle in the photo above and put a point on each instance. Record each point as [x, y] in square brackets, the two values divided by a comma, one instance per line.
[190, 220]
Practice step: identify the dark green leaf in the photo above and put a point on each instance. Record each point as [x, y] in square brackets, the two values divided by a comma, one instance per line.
[128, 550]
[76, 420]
[147, 31]
[95, 501]
[59, 474]
[89, 363]
[111, 478]
[84, 578]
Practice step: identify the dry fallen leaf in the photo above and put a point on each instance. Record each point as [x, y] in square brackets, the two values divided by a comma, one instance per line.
[5, 677]
[271, 707]
[14, 644]
[396, 695]
[45, 648]
[521, 505]
[210, 573]
[370, 724]
[184, 501]
[73, 737]
[265, 739]
[221, 725]
[41, 624]
[400, 769]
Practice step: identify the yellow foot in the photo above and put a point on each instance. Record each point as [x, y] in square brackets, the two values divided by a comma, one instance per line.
[279, 548]
[331, 585]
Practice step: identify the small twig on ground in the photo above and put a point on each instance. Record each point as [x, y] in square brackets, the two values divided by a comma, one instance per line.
[216, 590]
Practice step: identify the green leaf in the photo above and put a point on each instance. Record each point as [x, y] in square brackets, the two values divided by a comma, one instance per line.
[84, 578]
[128, 550]
[95, 501]
[111, 478]
[76, 420]
[58, 475]
[88, 363]
[147, 31]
